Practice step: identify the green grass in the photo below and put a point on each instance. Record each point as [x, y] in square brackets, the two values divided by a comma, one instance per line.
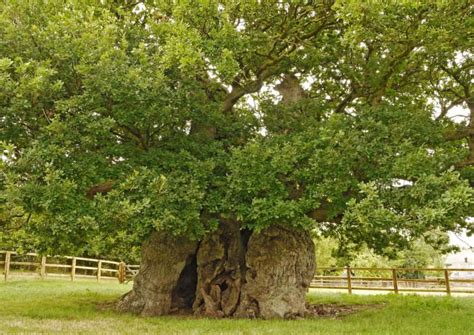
[81, 307]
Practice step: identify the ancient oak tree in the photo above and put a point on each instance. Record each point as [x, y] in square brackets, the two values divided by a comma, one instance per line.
[216, 135]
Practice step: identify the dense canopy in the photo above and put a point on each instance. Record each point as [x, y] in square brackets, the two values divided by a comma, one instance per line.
[120, 118]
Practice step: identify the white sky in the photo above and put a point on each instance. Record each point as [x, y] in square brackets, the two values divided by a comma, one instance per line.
[461, 240]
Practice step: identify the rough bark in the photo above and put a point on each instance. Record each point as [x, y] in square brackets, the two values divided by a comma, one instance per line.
[290, 89]
[231, 273]
[165, 283]
[280, 265]
[220, 259]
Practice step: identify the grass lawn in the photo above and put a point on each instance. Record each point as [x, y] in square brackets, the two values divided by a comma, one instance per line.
[64, 307]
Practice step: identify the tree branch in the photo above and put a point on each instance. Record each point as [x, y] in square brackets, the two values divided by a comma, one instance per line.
[103, 188]
[459, 134]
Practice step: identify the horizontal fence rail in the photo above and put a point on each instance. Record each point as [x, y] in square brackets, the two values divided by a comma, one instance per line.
[441, 280]
[33, 265]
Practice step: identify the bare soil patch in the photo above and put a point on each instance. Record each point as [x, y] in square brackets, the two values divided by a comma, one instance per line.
[335, 311]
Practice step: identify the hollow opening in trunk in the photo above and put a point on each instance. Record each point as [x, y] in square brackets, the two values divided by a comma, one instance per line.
[244, 240]
[184, 293]
[223, 286]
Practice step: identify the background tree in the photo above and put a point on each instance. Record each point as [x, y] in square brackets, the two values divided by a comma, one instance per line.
[419, 255]
[219, 133]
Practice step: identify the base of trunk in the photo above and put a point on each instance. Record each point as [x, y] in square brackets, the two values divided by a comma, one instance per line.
[280, 266]
[230, 273]
[167, 278]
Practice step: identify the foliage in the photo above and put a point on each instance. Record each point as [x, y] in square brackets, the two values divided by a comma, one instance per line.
[419, 255]
[172, 105]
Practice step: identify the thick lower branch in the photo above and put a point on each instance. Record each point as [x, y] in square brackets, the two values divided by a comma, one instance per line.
[103, 188]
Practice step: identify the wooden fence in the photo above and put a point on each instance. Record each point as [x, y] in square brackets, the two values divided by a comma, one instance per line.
[34, 265]
[444, 280]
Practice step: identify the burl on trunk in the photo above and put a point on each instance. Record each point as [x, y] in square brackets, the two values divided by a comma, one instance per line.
[230, 273]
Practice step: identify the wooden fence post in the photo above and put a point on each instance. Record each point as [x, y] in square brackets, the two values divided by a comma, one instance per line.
[446, 280]
[7, 264]
[349, 279]
[73, 269]
[395, 281]
[121, 273]
[99, 270]
[43, 267]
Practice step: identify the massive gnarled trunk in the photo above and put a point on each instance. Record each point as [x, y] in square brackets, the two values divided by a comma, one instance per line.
[230, 273]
